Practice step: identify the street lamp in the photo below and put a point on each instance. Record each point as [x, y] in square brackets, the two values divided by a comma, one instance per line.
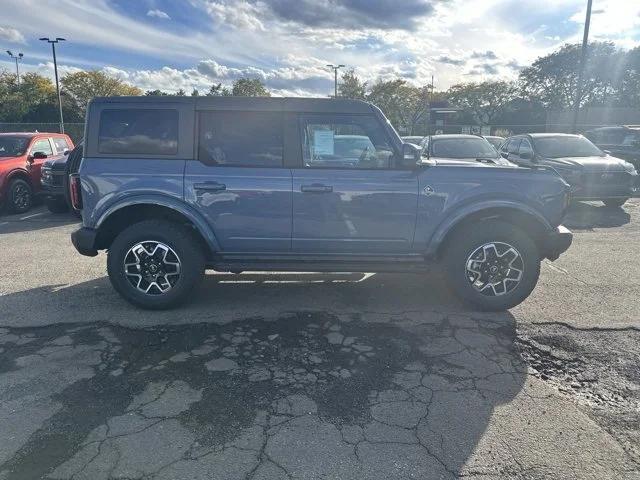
[55, 69]
[17, 58]
[335, 77]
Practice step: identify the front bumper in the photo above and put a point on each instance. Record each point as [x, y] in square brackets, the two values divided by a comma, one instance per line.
[597, 186]
[54, 187]
[84, 240]
[557, 242]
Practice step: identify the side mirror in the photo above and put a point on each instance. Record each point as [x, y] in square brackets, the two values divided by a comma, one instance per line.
[410, 154]
[66, 152]
[504, 154]
[39, 155]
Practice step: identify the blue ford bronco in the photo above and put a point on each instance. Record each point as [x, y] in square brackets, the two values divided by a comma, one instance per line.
[170, 186]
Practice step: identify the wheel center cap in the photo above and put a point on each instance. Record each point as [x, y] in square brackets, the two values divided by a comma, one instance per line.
[493, 269]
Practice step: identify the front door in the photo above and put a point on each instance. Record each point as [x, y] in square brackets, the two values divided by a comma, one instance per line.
[238, 180]
[34, 165]
[347, 195]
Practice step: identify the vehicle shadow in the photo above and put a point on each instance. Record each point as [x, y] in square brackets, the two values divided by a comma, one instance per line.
[582, 215]
[385, 393]
[35, 219]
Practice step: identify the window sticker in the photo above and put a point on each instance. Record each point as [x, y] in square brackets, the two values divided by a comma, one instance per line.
[323, 142]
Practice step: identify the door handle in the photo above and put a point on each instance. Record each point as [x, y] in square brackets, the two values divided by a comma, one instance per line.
[210, 186]
[316, 188]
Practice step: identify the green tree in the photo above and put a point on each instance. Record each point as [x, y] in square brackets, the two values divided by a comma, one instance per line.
[195, 93]
[81, 87]
[553, 78]
[249, 87]
[217, 90]
[351, 86]
[156, 92]
[485, 101]
[404, 105]
[20, 103]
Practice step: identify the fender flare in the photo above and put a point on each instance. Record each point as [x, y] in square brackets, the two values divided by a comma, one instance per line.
[462, 213]
[200, 223]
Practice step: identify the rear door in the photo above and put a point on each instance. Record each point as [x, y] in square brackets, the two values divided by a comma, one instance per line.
[239, 182]
[347, 195]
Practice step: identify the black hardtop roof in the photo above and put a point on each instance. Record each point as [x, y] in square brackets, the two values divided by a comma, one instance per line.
[286, 104]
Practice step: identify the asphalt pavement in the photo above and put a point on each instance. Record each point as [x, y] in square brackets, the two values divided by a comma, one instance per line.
[307, 376]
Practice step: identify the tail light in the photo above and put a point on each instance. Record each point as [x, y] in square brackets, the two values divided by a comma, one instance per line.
[76, 191]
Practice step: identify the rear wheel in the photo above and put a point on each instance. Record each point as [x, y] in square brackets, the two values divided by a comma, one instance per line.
[492, 265]
[19, 196]
[57, 205]
[614, 202]
[155, 264]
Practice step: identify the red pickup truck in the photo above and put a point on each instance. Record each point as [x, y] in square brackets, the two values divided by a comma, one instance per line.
[21, 159]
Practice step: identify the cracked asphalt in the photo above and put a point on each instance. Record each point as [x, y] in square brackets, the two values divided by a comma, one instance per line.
[320, 376]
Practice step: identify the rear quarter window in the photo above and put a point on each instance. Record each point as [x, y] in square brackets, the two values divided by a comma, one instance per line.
[138, 132]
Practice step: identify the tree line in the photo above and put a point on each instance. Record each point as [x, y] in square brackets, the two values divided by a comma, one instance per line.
[611, 78]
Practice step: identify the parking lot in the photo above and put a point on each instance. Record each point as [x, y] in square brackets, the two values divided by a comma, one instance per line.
[307, 375]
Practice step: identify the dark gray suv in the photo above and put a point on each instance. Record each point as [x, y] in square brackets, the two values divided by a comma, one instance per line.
[173, 185]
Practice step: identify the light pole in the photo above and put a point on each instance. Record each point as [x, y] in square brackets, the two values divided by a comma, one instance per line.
[583, 59]
[17, 58]
[55, 69]
[335, 77]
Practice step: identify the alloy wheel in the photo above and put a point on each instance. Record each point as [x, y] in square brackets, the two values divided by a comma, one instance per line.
[494, 269]
[152, 267]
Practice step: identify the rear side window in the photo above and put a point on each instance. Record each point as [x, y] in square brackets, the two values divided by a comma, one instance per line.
[241, 139]
[138, 132]
[61, 144]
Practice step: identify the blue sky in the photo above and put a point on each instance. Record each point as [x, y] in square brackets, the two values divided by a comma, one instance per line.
[173, 44]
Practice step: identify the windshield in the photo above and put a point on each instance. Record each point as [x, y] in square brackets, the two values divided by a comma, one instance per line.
[558, 147]
[462, 148]
[13, 146]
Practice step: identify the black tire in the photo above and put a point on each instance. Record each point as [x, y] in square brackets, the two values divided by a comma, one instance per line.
[19, 196]
[614, 202]
[469, 240]
[178, 238]
[57, 205]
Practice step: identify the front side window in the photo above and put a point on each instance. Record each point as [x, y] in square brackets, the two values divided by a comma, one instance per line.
[13, 146]
[61, 144]
[138, 132]
[513, 146]
[42, 145]
[525, 148]
[241, 139]
[344, 141]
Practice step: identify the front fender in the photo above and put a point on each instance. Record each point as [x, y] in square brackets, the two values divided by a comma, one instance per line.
[164, 201]
[465, 211]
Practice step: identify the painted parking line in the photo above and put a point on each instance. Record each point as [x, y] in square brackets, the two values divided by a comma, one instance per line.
[31, 216]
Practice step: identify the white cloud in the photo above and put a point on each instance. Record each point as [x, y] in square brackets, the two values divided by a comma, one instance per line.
[158, 14]
[11, 35]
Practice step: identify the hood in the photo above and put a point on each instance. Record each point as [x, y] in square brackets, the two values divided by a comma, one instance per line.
[597, 163]
[56, 163]
[470, 162]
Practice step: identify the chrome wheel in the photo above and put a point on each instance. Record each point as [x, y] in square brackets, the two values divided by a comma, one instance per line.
[152, 267]
[494, 269]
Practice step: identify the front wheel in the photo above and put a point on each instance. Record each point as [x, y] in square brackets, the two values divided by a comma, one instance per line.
[614, 202]
[155, 264]
[492, 265]
[20, 196]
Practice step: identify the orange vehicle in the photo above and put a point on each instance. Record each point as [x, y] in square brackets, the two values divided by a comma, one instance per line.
[21, 158]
